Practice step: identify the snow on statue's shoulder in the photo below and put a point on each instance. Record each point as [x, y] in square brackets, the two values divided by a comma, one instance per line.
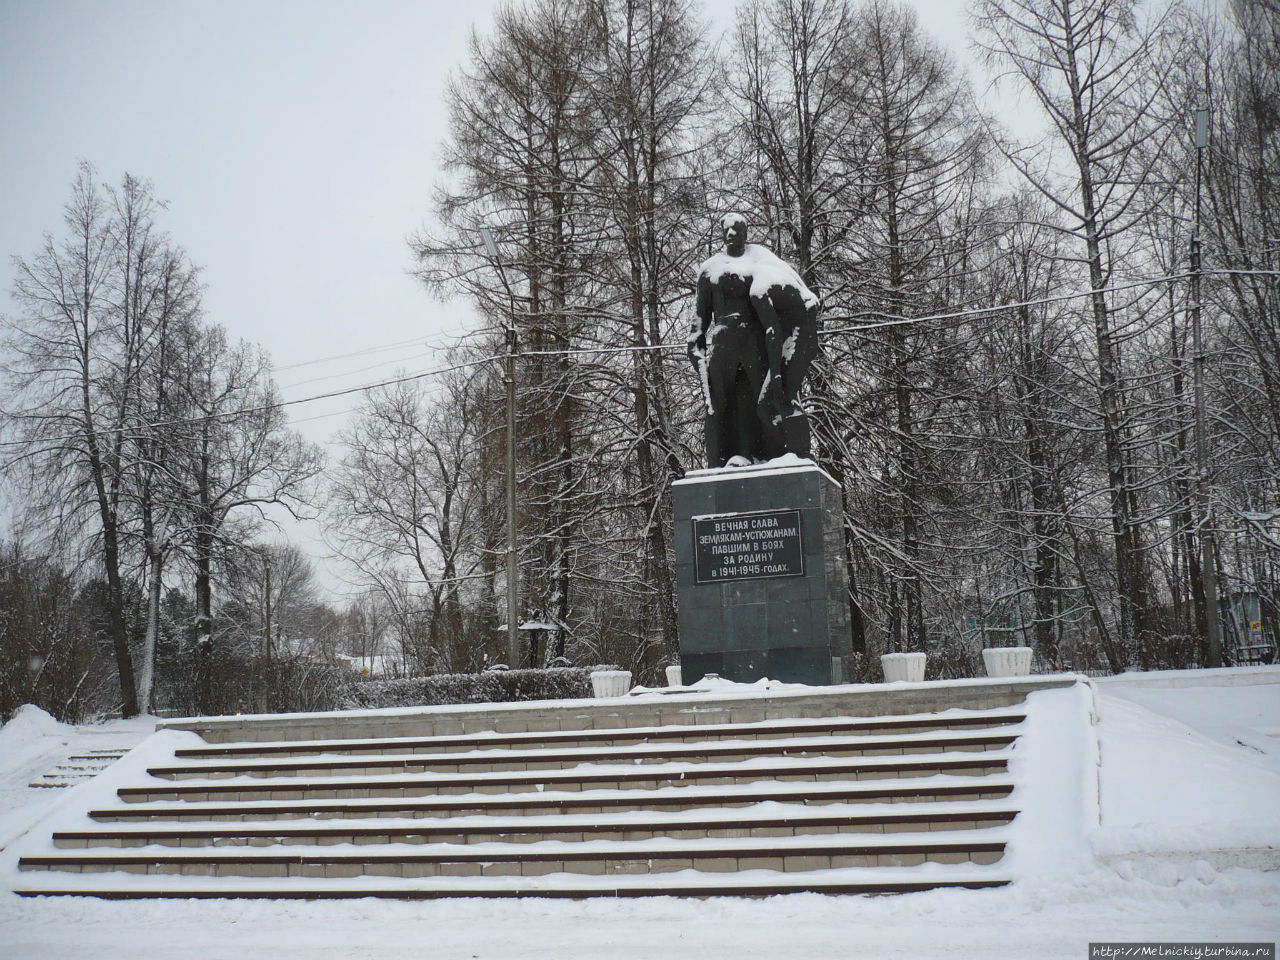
[769, 271]
[719, 264]
[764, 268]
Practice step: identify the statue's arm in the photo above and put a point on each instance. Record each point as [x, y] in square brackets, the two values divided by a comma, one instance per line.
[703, 313]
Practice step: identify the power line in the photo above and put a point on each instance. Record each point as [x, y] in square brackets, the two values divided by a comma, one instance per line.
[351, 373]
[378, 348]
[585, 351]
[981, 311]
[1248, 273]
[635, 348]
[581, 351]
[266, 408]
[887, 322]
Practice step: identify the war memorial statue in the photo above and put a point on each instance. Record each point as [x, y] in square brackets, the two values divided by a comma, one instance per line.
[759, 546]
[753, 339]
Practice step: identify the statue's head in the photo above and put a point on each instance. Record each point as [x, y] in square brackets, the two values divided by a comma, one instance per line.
[733, 227]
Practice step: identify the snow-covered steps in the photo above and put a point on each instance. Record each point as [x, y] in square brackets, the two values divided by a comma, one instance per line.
[78, 768]
[773, 819]
[487, 760]
[743, 795]
[598, 776]
[597, 857]
[684, 883]
[920, 790]
[683, 733]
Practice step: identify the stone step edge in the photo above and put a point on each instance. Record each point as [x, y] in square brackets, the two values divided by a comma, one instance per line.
[571, 799]
[673, 732]
[360, 891]
[606, 851]
[516, 827]
[642, 773]
[268, 767]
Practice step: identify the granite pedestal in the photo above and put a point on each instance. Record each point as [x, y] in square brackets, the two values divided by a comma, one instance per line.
[760, 573]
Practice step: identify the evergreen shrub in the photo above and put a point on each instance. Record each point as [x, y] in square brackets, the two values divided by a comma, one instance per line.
[495, 686]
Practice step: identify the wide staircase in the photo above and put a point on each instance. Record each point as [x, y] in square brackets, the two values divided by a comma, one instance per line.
[700, 800]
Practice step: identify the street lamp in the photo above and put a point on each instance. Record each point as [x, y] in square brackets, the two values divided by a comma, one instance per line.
[509, 379]
[1208, 571]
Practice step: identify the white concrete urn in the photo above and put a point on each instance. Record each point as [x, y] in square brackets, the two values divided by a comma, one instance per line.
[673, 676]
[1007, 661]
[610, 683]
[899, 667]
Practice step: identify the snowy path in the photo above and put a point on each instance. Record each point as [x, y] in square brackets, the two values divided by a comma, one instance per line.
[1050, 921]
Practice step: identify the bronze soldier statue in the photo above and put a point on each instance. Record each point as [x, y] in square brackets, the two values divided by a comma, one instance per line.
[755, 335]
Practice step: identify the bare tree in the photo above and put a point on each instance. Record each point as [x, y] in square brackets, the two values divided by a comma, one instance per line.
[796, 84]
[1086, 63]
[926, 162]
[1228, 61]
[235, 455]
[155, 491]
[404, 504]
[79, 350]
[49, 642]
[526, 154]
[269, 588]
[649, 81]
[367, 627]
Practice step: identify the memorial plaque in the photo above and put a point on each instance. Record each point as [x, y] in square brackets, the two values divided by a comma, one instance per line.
[747, 546]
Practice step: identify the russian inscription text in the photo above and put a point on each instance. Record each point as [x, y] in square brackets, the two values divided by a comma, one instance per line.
[747, 546]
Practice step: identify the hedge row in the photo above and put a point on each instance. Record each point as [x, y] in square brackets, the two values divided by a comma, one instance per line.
[497, 686]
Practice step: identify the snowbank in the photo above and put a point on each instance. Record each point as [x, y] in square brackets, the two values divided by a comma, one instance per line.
[27, 736]
[1054, 764]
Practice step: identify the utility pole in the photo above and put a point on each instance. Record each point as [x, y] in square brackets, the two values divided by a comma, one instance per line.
[513, 574]
[1208, 569]
[509, 380]
[266, 559]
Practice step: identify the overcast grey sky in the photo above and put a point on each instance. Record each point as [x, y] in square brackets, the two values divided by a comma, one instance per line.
[295, 140]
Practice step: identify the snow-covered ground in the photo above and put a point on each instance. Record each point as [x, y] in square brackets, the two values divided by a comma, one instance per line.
[1180, 841]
